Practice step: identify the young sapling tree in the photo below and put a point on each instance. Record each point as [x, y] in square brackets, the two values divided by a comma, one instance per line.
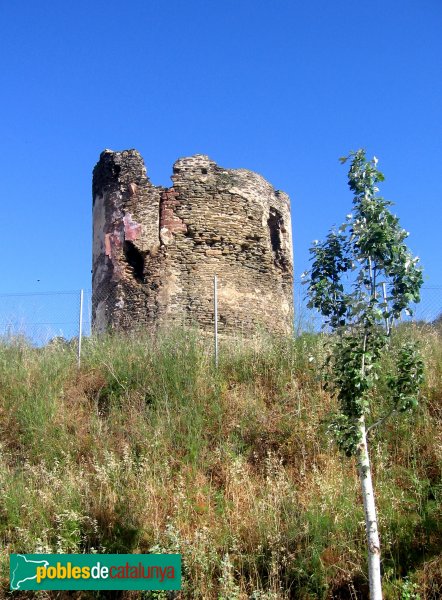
[362, 279]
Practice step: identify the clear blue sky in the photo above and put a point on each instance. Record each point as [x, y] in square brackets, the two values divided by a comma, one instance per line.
[282, 87]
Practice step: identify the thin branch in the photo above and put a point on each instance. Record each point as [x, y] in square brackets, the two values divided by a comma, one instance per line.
[370, 269]
[112, 372]
[373, 289]
[364, 347]
[387, 319]
[381, 420]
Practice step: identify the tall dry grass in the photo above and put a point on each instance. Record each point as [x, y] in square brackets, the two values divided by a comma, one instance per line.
[149, 449]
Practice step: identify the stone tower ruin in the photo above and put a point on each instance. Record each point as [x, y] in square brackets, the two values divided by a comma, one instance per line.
[156, 249]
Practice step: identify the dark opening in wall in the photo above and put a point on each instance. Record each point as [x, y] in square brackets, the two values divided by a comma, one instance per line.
[276, 227]
[135, 259]
[274, 222]
[204, 171]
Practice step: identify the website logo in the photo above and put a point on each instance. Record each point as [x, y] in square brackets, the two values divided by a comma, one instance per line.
[95, 571]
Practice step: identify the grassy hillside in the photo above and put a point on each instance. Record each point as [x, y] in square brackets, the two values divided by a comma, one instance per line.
[148, 449]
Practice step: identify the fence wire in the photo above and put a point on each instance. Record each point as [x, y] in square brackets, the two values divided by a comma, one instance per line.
[428, 310]
[38, 318]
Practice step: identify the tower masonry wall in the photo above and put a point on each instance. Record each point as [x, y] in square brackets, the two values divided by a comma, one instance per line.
[156, 249]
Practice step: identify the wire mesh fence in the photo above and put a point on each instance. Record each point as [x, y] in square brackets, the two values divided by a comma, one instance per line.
[40, 317]
[428, 310]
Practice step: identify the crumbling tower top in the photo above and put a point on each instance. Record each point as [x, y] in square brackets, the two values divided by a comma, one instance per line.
[155, 249]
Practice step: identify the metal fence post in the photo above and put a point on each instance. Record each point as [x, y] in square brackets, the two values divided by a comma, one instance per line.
[215, 311]
[80, 326]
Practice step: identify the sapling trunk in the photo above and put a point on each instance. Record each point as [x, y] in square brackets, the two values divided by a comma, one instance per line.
[371, 522]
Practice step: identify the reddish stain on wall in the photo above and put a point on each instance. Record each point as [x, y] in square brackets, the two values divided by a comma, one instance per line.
[132, 229]
[168, 218]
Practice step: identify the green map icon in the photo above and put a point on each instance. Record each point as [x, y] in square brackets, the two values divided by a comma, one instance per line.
[24, 569]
